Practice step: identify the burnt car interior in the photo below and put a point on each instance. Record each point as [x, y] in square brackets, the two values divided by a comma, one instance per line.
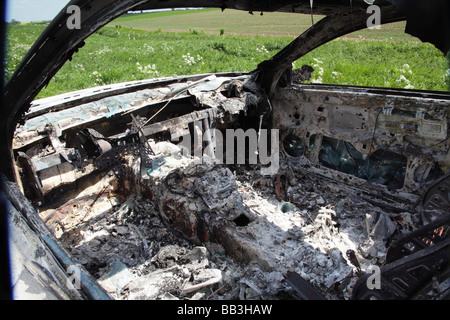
[128, 183]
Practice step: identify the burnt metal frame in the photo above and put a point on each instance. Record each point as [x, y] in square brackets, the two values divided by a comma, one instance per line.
[329, 28]
[410, 270]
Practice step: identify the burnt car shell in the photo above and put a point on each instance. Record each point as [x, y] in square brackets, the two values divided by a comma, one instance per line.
[323, 118]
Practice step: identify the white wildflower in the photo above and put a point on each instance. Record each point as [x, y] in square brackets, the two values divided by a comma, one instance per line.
[97, 77]
[166, 47]
[148, 69]
[189, 60]
[262, 49]
[79, 66]
[103, 51]
[318, 73]
[406, 69]
[199, 58]
[149, 48]
[317, 60]
[318, 80]
[336, 74]
[404, 82]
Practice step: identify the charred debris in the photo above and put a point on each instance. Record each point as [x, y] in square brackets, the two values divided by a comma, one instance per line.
[361, 183]
[125, 188]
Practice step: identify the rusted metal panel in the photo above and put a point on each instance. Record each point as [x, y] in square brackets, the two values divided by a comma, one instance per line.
[413, 126]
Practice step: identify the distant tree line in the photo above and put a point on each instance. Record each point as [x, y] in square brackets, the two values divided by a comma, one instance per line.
[14, 21]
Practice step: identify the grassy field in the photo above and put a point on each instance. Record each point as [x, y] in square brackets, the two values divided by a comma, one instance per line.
[137, 47]
[241, 23]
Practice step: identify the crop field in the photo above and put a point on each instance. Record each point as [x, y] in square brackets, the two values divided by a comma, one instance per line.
[241, 23]
[149, 45]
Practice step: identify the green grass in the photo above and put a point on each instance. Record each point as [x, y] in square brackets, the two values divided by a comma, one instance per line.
[379, 64]
[19, 40]
[116, 54]
[112, 56]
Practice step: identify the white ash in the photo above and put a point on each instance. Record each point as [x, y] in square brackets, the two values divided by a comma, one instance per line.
[308, 231]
